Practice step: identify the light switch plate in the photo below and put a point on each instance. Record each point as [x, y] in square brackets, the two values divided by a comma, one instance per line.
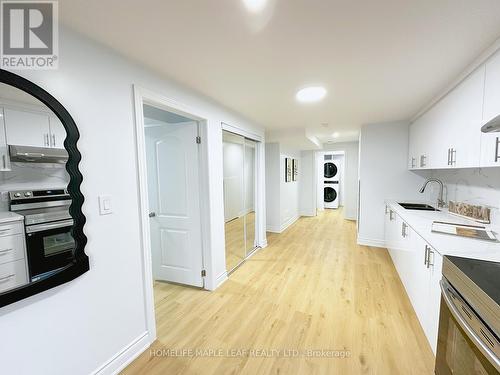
[105, 206]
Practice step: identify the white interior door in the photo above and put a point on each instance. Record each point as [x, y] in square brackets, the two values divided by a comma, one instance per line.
[173, 183]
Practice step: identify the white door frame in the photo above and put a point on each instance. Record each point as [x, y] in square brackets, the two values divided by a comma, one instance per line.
[141, 96]
[260, 203]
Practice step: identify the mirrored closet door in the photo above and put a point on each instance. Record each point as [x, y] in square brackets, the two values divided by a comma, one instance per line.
[240, 159]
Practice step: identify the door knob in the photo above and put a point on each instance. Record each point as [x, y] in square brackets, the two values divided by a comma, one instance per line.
[152, 214]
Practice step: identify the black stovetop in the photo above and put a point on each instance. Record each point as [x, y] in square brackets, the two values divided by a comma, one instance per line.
[485, 274]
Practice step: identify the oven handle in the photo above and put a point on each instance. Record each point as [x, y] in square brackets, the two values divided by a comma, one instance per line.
[490, 356]
[42, 227]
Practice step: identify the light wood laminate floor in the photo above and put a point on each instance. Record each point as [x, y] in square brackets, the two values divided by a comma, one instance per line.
[312, 288]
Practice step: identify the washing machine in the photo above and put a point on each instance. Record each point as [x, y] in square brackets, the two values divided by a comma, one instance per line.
[331, 194]
[330, 169]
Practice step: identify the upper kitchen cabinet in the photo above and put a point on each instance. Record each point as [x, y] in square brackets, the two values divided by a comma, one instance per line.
[27, 128]
[460, 141]
[57, 132]
[447, 135]
[490, 142]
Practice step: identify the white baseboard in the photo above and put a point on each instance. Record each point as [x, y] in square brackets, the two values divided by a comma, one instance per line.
[123, 358]
[221, 279]
[371, 242]
[288, 223]
[283, 227]
[273, 229]
[263, 244]
[308, 213]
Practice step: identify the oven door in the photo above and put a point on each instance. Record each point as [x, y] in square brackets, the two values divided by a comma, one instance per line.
[466, 346]
[50, 247]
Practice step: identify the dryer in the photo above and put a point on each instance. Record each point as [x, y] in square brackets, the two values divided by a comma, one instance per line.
[330, 169]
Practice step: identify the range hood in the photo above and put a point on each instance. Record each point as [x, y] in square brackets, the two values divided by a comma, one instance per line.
[492, 125]
[29, 154]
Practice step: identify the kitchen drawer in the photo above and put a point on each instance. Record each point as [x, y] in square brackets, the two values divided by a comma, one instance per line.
[12, 275]
[9, 229]
[11, 248]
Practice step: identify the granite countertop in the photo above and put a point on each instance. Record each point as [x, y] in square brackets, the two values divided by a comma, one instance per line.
[8, 217]
[445, 244]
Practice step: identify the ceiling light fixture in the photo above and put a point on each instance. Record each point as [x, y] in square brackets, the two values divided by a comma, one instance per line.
[255, 6]
[335, 135]
[311, 94]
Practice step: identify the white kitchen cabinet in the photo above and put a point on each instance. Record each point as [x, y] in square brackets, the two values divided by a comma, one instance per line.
[447, 135]
[13, 275]
[13, 260]
[434, 300]
[4, 151]
[462, 116]
[490, 142]
[57, 132]
[27, 128]
[419, 267]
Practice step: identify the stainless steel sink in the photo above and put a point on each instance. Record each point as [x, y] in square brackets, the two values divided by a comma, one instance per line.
[417, 206]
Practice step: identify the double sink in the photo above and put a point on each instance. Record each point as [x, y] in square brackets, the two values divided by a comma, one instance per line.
[418, 207]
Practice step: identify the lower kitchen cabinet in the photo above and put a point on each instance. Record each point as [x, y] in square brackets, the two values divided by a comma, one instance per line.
[419, 267]
[13, 261]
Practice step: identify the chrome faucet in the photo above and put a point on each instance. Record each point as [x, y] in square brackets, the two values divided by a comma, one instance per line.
[440, 202]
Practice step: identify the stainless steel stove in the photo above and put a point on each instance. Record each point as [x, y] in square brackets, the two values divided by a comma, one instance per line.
[469, 323]
[48, 225]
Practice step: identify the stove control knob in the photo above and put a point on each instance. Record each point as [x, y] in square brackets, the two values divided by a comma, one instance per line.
[27, 194]
[17, 195]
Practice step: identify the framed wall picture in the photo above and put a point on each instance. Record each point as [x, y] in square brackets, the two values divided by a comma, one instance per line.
[295, 169]
[288, 169]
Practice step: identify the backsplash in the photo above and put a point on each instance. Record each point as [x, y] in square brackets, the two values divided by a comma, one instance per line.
[31, 176]
[477, 186]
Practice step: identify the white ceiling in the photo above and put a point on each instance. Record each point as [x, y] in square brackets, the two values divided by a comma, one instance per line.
[379, 60]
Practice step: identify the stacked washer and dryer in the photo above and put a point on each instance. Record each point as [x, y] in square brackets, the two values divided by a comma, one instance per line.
[331, 186]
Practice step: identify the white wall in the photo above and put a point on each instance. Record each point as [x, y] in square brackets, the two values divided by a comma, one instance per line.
[282, 208]
[350, 187]
[307, 184]
[80, 326]
[383, 174]
[273, 187]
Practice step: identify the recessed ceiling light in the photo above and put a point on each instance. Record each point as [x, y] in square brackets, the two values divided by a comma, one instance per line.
[311, 94]
[255, 6]
[335, 135]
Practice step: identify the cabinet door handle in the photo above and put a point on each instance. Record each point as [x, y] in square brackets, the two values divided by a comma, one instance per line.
[453, 156]
[425, 254]
[413, 162]
[2, 279]
[497, 157]
[3, 252]
[390, 215]
[449, 156]
[46, 139]
[403, 230]
[423, 160]
[4, 161]
[53, 140]
[429, 252]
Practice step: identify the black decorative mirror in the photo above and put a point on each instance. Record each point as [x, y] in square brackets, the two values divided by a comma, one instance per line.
[41, 221]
